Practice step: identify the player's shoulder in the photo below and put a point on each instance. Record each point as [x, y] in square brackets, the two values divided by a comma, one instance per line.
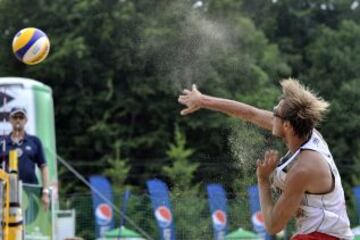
[300, 173]
[33, 138]
[315, 131]
[308, 154]
[4, 137]
[309, 161]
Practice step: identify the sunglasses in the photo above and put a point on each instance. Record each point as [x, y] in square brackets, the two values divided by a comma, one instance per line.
[21, 117]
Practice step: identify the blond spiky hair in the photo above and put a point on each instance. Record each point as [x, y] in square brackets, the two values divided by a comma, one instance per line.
[303, 108]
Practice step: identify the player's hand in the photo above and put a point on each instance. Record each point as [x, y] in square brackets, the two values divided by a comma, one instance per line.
[266, 166]
[191, 99]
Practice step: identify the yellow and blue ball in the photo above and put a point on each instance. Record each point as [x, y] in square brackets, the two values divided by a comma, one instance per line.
[31, 45]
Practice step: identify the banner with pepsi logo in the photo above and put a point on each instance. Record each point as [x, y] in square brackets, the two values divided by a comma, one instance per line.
[356, 191]
[160, 200]
[257, 217]
[102, 198]
[218, 208]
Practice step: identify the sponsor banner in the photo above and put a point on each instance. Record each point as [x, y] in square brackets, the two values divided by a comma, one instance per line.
[257, 218]
[356, 191]
[160, 200]
[218, 209]
[103, 212]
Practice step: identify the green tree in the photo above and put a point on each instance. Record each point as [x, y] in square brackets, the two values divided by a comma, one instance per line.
[118, 169]
[189, 206]
[294, 24]
[181, 171]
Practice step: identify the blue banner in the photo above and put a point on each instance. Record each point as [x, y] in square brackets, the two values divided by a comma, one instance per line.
[103, 212]
[257, 218]
[218, 208]
[160, 200]
[356, 191]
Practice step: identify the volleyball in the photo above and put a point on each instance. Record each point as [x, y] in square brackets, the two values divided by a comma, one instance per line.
[31, 45]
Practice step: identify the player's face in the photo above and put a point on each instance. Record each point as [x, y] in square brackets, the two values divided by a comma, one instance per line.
[18, 121]
[278, 121]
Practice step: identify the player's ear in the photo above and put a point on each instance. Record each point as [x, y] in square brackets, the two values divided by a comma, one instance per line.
[287, 124]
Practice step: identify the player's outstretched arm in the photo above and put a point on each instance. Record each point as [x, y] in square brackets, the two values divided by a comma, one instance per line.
[195, 100]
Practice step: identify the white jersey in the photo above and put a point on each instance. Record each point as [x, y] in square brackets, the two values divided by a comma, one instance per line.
[325, 213]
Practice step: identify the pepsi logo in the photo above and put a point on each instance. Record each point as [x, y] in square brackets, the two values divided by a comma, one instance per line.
[103, 214]
[258, 219]
[164, 216]
[219, 219]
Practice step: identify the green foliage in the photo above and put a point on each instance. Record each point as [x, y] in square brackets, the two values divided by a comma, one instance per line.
[84, 218]
[140, 212]
[118, 169]
[188, 208]
[293, 24]
[192, 215]
[180, 171]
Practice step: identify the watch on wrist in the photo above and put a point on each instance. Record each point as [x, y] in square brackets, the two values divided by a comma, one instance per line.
[45, 191]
